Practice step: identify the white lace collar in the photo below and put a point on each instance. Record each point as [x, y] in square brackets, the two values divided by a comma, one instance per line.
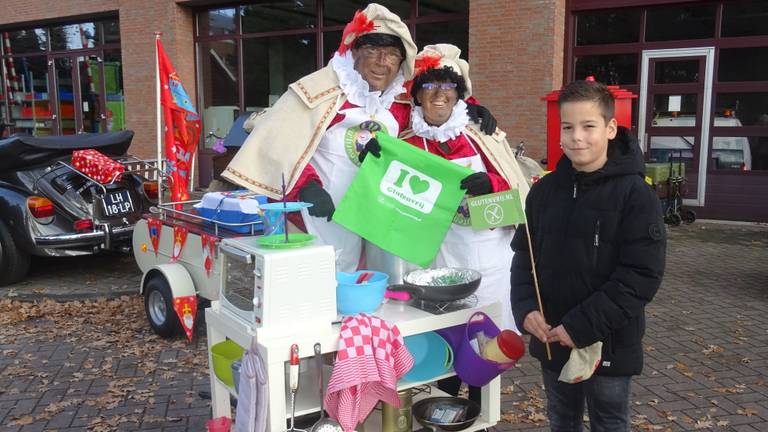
[452, 128]
[356, 88]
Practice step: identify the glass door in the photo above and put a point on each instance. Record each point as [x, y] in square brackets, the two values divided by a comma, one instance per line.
[92, 114]
[65, 85]
[674, 112]
[79, 102]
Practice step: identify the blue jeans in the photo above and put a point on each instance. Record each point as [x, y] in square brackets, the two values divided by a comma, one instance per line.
[607, 399]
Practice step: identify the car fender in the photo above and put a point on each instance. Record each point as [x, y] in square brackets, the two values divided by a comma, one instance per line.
[177, 276]
[13, 203]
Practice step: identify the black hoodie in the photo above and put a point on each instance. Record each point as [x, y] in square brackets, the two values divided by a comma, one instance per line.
[599, 245]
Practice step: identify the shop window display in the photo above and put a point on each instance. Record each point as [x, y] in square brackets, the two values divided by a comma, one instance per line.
[85, 59]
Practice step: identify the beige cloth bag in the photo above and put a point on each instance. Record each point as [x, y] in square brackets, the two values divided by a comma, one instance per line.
[582, 363]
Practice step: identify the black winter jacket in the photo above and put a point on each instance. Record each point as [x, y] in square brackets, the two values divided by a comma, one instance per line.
[599, 245]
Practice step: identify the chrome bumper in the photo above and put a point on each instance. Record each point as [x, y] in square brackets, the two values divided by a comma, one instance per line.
[103, 235]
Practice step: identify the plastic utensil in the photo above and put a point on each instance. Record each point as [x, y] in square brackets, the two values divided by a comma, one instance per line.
[293, 380]
[397, 295]
[364, 276]
[325, 424]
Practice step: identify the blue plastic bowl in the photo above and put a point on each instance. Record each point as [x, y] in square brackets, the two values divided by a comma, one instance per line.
[432, 356]
[352, 298]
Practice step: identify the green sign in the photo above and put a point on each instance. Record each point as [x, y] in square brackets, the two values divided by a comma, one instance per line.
[496, 210]
[404, 201]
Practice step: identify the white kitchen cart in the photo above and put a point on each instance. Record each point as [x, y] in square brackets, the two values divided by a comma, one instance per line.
[274, 347]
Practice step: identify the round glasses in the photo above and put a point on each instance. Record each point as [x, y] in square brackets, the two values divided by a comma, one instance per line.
[389, 54]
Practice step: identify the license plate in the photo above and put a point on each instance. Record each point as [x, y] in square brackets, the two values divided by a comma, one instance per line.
[117, 203]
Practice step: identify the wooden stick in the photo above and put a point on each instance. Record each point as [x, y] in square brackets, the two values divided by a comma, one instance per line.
[536, 282]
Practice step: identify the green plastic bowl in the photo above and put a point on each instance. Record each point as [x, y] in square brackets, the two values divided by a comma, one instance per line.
[223, 355]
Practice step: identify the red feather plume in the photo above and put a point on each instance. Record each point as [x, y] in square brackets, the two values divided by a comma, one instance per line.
[422, 64]
[359, 25]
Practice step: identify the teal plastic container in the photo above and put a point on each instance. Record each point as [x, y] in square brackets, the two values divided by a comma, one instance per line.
[352, 298]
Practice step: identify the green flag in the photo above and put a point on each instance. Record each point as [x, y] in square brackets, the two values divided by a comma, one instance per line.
[496, 210]
[404, 201]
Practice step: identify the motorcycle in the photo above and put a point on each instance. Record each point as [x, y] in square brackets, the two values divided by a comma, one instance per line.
[49, 208]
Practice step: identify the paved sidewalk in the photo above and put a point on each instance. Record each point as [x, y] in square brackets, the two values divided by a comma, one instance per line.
[95, 365]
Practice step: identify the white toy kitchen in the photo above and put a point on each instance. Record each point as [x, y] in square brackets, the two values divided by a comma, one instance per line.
[287, 296]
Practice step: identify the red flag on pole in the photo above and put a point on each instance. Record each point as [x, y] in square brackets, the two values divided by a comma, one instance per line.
[182, 126]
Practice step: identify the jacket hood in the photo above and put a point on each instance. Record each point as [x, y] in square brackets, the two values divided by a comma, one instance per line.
[624, 158]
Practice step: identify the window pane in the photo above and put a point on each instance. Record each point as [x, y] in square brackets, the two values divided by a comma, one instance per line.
[453, 32]
[31, 109]
[676, 72]
[279, 15]
[434, 7]
[73, 36]
[743, 64]
[745, 18]
[612, 69]
[680, 22]
[282, 60]
[340, 12]
[331, 42]
[674, 110]
[606, 27]
[25, 41]
[219, 68]
[113, 83]
[741, 109]
[219, 72]
[740, 153]
[664, 148]
[111, 31]
[217, 21]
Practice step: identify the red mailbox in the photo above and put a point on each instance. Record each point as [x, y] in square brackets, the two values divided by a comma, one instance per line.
[623, 114]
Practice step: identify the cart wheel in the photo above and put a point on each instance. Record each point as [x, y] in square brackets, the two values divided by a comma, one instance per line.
[158, 305]
[689, 216]
[673, 219]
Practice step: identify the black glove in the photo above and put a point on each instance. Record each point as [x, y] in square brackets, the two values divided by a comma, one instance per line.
[480, 114]
[477, 184]
[373, 147]
[322, 203]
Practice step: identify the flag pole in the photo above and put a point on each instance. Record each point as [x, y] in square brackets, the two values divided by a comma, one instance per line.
[536, 281]
[160, 168]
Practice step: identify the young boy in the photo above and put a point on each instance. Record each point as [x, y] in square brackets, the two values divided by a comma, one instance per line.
[599, 245]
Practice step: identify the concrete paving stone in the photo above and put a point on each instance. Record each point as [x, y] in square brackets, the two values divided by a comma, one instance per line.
[746, 428]
[34, 427]
[187, 412]
[61, 420]
[24, 407]
[156, 410]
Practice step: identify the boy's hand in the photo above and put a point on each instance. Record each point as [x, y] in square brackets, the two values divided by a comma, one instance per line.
[534, 324]
[559, 334]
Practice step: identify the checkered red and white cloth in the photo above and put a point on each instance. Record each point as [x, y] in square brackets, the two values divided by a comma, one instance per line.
[370, 358]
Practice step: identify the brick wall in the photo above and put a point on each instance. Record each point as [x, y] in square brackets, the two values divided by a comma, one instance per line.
[516, 57]
[138, 20]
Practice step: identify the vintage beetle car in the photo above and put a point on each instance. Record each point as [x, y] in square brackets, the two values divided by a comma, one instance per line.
[48, 208]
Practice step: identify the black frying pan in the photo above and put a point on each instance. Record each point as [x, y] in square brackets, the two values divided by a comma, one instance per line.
[438, 285]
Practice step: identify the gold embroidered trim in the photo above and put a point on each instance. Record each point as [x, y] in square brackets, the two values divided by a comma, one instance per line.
[319, 128]
[249, 180]
[312, 99]
[489, 154]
